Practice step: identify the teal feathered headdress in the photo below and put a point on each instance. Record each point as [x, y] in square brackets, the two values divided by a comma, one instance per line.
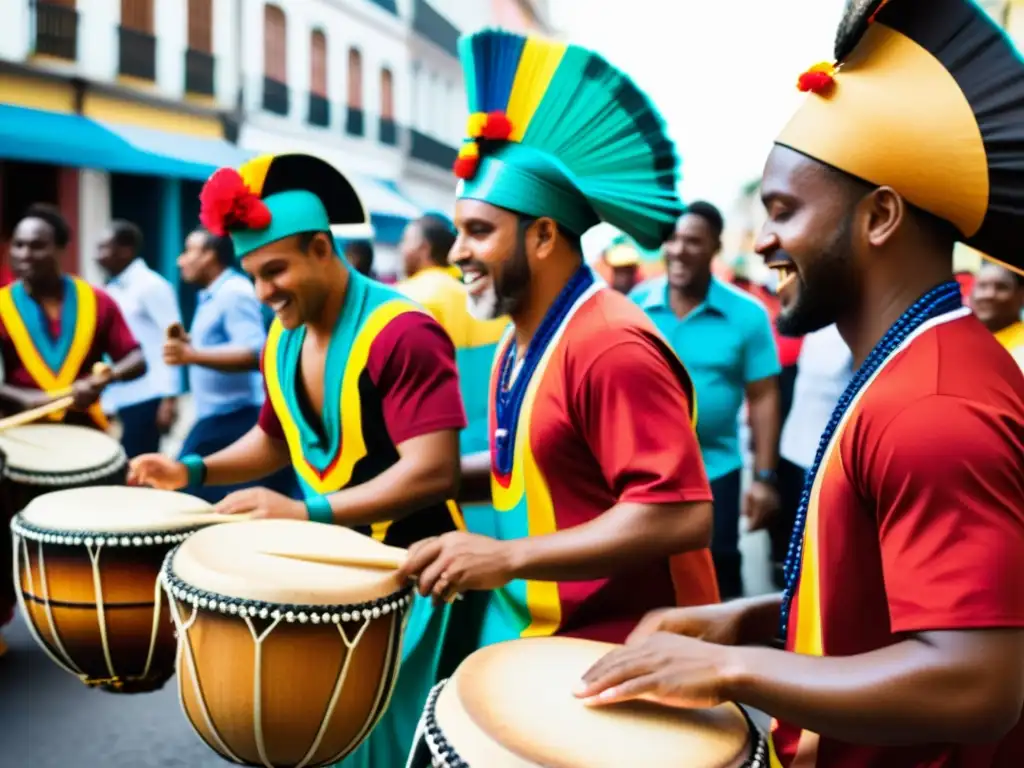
[555, 130]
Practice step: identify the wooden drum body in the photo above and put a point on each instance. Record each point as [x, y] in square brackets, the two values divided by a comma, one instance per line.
[511, 705]
[39, 458]
[281, 661]
[87, 562]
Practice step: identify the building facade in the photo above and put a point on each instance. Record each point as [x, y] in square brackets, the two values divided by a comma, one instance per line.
[121, 108]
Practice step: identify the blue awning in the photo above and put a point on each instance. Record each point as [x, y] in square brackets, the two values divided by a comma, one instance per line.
[40, 136]
[194, 157]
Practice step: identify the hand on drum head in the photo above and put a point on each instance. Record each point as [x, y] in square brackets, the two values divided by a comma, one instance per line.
[713, 623]
[261, 504]
[157, 471]
[445, 566]
[665, 669]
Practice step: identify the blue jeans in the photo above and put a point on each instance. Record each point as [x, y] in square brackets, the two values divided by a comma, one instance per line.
[214, 433]
[725, 540]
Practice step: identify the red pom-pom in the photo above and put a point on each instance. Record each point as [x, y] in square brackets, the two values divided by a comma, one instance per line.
[465, 167]
[226, 203]
[497, 127]
[815, 81]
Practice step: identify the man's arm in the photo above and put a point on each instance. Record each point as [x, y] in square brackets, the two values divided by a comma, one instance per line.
[412, 363]
[649, 454]
[254, 455]
[243, 323]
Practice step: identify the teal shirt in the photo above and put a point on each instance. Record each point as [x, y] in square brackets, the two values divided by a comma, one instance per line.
[725, 343]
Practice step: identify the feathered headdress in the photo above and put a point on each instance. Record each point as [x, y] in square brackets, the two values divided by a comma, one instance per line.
[275, 196]
[925, 96]
[555, 130]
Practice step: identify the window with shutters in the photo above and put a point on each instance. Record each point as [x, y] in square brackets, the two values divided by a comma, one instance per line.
[137, 15]
[354, 119]
[318, 63]
[275, 60]
[136, 42]
[200, 25]
[388, 128]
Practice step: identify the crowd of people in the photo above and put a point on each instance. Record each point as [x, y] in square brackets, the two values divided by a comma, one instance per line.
[564, 458]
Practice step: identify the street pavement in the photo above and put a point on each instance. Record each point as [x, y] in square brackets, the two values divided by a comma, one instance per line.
[50, 720]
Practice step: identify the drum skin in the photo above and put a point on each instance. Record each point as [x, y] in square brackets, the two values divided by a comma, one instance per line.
[299, 666]
[65, 585]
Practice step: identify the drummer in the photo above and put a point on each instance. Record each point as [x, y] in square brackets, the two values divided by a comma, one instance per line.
[363, 401]
[54, 327]
[903, 617]
[596, 472]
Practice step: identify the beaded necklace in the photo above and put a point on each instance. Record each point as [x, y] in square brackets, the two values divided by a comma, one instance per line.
[938, 301]
[512, 392]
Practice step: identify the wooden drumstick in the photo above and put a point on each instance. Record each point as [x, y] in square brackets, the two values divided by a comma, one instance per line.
[63, 399]
[202, 518]
[175, 331]
[389, 560]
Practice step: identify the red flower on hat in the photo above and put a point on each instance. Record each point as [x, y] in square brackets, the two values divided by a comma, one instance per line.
[226, 203]
[465, 167]
[817, 79]
[497, 127]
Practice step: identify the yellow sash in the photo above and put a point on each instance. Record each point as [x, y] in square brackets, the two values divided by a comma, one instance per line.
[85, 331]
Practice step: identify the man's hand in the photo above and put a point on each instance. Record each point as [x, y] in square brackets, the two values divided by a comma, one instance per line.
[157, 471]
[178, 351]
[666, 669]
[262, 504]
[87, 391]
[760, 503]
[445, 566]
[719, 624]
[166, 414]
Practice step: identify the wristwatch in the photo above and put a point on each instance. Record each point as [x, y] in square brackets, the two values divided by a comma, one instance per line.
[769, 476]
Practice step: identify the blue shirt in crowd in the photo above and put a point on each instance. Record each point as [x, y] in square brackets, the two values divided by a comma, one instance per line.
[227, 315]
[725, 344]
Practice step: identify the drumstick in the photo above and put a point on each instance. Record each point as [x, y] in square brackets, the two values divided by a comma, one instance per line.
[201, 518]
[100, 371]
[39, 412]
[175, 331]
[390, 560]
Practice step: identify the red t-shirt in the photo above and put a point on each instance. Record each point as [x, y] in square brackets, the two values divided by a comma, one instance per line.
[920, 526]
[610, 424]
[112, 338]
[412, 364]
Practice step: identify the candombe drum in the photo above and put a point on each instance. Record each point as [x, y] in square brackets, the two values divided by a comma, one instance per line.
[285, 659]
[87, 562]
[511, 705]
[38, 458]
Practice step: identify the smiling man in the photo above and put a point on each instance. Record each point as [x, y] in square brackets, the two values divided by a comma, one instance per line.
[363, 401]
[903, 617]
[594, 464]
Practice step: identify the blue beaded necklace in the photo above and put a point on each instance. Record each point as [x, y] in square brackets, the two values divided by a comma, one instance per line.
[510, 397]
[938, 301]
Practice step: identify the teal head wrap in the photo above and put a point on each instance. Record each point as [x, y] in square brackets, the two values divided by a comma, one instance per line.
[291, 213]
[525, 180]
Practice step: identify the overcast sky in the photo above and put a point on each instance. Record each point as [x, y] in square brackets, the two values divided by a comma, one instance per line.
[723, 72]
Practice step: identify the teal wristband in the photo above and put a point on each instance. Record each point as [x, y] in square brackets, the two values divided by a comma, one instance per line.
[196, 469]
[319, 510]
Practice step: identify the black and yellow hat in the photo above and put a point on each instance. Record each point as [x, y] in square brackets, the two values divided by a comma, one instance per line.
[925, 96]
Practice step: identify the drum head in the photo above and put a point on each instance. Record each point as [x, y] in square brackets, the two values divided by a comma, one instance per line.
[113, 509]
[48, 449]
[232, 560]
[511, 705]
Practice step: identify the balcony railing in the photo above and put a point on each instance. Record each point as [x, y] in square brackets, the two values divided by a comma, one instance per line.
[199, 69]
[275, 96]
[319, 110]
[388, 5]
[432, 25]
[430, 150]
[355, 123]
[56, 31]
[388, 131]
[137, 54]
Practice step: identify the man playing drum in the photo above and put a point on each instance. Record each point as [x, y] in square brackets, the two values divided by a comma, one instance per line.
[597, 478]
[903, 616]
[362, 400]
[53, 329]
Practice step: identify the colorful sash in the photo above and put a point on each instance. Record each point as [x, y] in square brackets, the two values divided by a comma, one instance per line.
[53, 364]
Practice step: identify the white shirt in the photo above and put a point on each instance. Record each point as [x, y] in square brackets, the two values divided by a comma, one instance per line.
[824, 368]
[149, 306]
